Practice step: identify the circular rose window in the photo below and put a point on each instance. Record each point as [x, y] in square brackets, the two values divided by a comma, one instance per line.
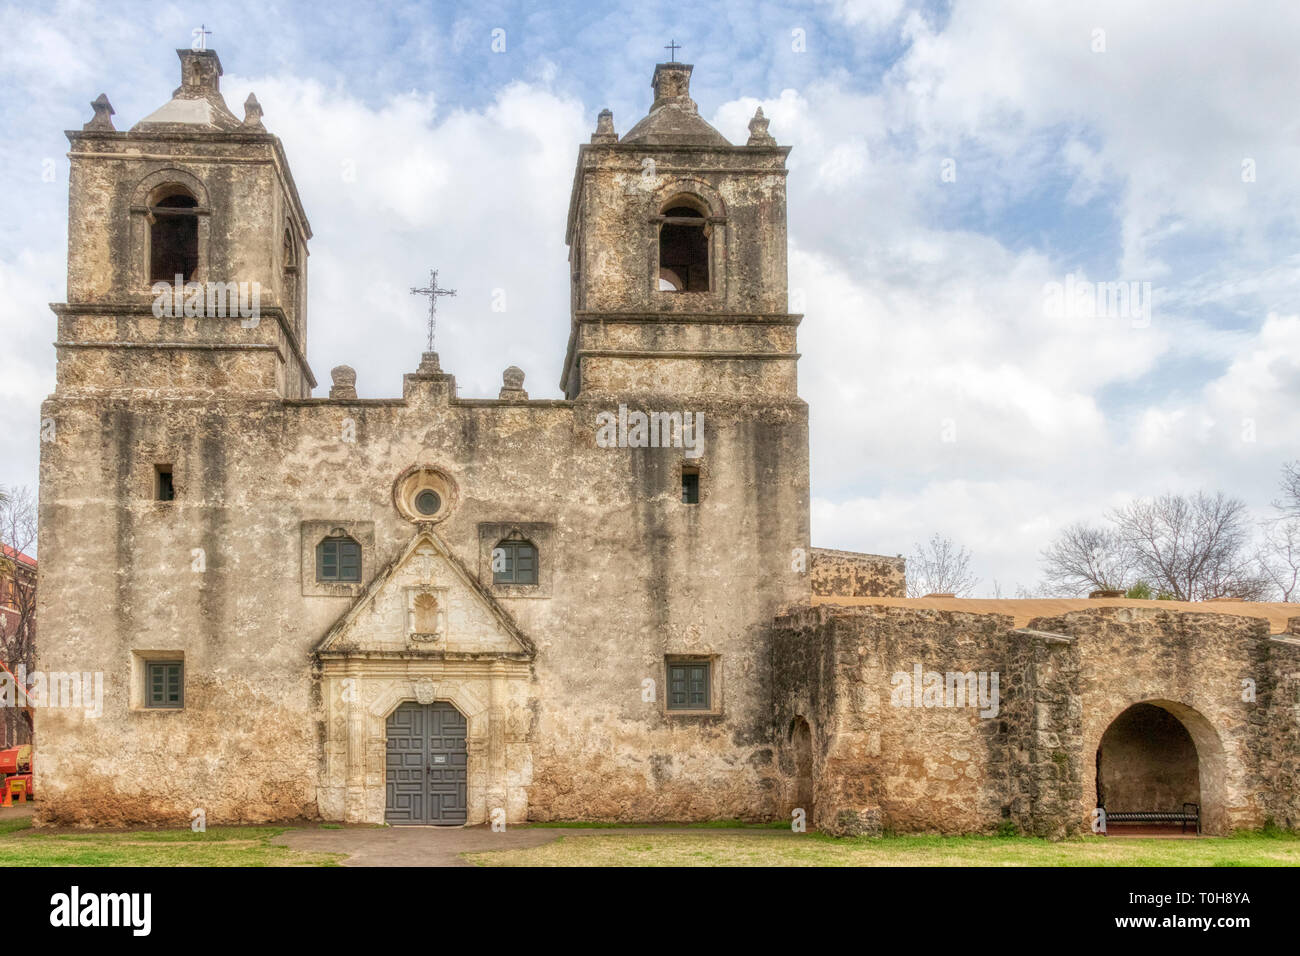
[424, 493]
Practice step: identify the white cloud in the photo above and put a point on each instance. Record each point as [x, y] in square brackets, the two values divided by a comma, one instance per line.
[396, 189]
[924, 300]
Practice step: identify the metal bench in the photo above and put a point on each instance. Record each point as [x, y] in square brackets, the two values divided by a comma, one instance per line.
[1184, 816]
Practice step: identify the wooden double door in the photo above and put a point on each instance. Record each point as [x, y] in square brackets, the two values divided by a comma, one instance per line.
[427, 765]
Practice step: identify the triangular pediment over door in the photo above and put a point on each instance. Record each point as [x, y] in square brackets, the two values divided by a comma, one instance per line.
[426, 602]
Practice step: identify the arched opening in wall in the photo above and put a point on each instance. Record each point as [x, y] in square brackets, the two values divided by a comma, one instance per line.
[289, 277]
[173, 234]
[684, 247]
[1160, 769]
[801, 749]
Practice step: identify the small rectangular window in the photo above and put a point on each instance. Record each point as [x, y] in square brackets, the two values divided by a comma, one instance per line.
[690, 485]
[164, 488]
[514, 562]
[688, 685]
[338, 559]
[165, 684]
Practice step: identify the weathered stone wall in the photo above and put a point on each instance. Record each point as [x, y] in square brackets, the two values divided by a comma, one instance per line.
[1193, 666]
[247, 203]
[635, 575]
[1062, 681]
[569, 721]
[909, 767]
[735, 339]
[1277, 720]
[854, 574]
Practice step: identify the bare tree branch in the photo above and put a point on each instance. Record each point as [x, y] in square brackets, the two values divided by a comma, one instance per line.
[1289, 503]
[1087, 558]
[1278, 557]
[940, 567]
[1195, 548]
[18, 584]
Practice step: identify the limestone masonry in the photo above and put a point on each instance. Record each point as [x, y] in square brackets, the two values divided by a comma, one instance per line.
[436, 609]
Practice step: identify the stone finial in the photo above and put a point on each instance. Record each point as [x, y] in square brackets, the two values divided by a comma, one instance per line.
[512, 384]
[103, 118]
[200, 74]
[429, 364]
[605, 128]
[758, 134]
[672, 84]
[345, 382]
[253, 114]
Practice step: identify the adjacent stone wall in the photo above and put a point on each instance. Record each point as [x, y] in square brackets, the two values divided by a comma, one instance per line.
[881, 765]
[854, 574]
[1202, 668]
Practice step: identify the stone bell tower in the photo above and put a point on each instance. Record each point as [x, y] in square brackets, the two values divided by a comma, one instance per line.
[193, 200]
[677, 246]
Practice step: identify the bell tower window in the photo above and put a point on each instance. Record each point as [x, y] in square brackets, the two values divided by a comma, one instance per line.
[289, 278]
[683, 250]
[173, 236]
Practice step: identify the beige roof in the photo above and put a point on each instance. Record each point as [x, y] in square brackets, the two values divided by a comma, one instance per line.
[674, 125]
[1025, 610]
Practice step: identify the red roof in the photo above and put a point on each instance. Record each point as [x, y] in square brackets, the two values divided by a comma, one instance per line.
[18, 556]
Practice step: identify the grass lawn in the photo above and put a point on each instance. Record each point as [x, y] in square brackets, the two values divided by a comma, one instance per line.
[720, 848]
[697, 825]
[717, 844]
[219, 846]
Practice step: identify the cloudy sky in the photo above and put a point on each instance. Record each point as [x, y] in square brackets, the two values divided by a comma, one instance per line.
[955, 165]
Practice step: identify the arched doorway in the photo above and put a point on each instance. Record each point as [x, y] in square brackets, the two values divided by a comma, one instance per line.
[1156, 757]
[427, 765]
[801, 749]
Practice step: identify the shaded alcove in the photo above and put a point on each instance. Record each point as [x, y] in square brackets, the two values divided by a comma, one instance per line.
[1158, 755]
[801, 748]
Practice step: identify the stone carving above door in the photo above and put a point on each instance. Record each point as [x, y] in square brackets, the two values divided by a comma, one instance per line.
[426, 614]
[425, 690]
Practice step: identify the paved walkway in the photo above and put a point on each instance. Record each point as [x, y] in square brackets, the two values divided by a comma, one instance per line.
[414, 846]
[442, 846]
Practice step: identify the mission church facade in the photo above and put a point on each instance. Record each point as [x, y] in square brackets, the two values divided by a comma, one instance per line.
[432, 609]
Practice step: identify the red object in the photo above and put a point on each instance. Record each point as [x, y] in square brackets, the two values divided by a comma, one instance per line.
[16, 759]
[18, 556]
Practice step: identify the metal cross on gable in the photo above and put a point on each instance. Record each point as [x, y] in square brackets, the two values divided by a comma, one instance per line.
[672, 48]
[432, 292]
[201, 37]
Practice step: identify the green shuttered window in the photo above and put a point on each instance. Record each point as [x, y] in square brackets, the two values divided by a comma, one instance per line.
[514, 562]
[338, 559]
[165, 684]
[688, 685]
